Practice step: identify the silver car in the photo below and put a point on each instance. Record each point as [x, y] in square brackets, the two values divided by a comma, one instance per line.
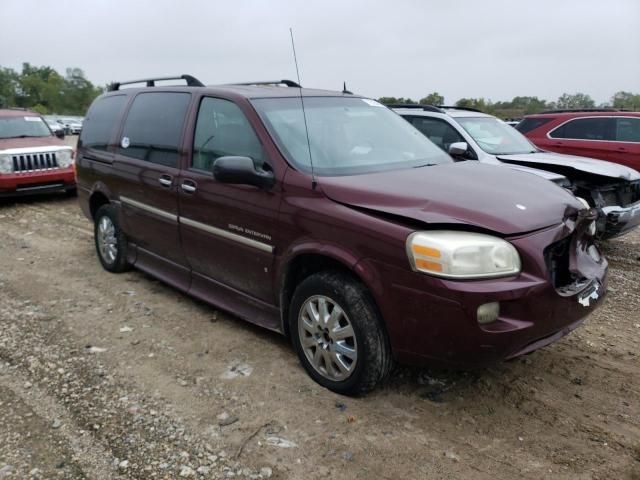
[467, 134]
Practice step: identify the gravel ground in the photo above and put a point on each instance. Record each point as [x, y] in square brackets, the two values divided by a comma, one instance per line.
[119, 376]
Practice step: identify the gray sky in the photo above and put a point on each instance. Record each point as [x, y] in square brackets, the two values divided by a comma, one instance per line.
[461, 48]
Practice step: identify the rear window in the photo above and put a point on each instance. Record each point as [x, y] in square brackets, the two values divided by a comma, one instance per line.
[153, 129]
[102, 119]
[529, 124]
[592, 128]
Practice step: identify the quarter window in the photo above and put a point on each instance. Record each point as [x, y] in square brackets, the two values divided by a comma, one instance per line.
[223, 130]
[628, 129]
[153, 128]
[594, 128]
[98, 127]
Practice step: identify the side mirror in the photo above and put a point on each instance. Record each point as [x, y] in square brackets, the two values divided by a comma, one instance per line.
[241, 170]
[59, 133]
[458, 149]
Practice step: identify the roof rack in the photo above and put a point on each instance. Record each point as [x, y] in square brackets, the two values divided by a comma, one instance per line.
[569, 110]
[151, 82]
[426, 108]
[453, 107]
[22, 109]
[288, 83]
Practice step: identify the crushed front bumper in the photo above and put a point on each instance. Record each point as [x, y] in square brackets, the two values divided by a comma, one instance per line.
[615, 220]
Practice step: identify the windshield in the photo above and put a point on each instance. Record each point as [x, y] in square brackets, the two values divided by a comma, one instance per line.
[348, 136]
[495, 136]
[12, 127]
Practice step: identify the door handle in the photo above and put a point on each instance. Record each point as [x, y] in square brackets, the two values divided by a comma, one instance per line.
[165, 180]
[188, 186]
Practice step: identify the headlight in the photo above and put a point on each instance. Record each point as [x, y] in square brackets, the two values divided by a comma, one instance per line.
[462, 255]
[64, 158]
[6, 164]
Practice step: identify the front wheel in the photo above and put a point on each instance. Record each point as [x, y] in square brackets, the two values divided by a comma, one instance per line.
[111, 243]
[338, 333]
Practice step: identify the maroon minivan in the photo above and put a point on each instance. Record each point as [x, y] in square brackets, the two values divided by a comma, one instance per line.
[327, 217]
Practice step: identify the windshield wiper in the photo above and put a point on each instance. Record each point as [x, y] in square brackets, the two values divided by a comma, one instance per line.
[425, 165]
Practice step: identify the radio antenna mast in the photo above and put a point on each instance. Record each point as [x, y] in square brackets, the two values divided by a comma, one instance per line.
[304, 115]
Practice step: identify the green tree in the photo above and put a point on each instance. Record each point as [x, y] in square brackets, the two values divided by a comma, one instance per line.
[46, 91]
[396, 100]
[8, 86]
[577, 100]
[432, 99]
[626, 100]
[477, 103]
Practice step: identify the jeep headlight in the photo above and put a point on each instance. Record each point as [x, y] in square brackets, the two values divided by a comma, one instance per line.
[64, 158]
[462, 255]
[6, 164]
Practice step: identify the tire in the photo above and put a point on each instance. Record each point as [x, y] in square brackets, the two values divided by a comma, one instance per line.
[111, 242]
[326, 347]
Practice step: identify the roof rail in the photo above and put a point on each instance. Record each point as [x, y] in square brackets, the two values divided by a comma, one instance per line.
[288, 83]
[569, 110]
[426, 108]
[191, 82]
[22, 109]
[453, 107]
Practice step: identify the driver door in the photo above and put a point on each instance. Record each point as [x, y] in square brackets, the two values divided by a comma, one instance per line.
[227, 230]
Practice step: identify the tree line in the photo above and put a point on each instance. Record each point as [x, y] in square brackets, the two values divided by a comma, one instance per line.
[45, 91]
[520, 106]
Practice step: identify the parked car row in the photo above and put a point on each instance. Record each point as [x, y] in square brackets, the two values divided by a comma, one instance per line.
[69, 125]
[329, 218]
[611, 188]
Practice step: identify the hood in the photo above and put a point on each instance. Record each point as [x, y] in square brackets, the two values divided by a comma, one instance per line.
[486, 196]
[547, 175]
[590, 165]
[30, 142]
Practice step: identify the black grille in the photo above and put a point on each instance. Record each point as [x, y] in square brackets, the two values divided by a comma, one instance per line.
[34, 161]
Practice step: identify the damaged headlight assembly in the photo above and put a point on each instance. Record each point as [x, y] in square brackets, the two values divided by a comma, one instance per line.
[459, 255]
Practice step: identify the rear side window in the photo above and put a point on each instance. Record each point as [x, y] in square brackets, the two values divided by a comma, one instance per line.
[438, 131]
[101, 120]
[153, 129]
[223, 130]
[628, 129]
[594, 128]
[529, 124]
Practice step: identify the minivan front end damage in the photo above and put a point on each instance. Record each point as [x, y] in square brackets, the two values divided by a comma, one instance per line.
[614, 190]
[475, 323]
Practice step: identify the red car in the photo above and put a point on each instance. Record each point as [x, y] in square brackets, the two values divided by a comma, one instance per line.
[605, 134]
[340, 226]
[32, 158]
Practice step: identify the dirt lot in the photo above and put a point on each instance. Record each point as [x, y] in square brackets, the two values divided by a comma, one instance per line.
[118, 376]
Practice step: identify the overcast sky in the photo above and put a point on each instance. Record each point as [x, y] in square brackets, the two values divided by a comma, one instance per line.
[495, 49]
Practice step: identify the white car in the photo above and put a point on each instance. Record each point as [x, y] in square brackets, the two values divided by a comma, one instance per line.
[468, 134]
[71, 125]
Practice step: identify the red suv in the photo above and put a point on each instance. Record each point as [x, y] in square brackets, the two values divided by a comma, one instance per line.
[605, 134]
[327, 217]
[32, 158]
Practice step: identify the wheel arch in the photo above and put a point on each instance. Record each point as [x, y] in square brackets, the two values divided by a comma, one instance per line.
[308, 261]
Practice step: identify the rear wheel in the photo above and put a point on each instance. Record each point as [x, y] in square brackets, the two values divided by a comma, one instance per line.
[338, 333]
[111, 243]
